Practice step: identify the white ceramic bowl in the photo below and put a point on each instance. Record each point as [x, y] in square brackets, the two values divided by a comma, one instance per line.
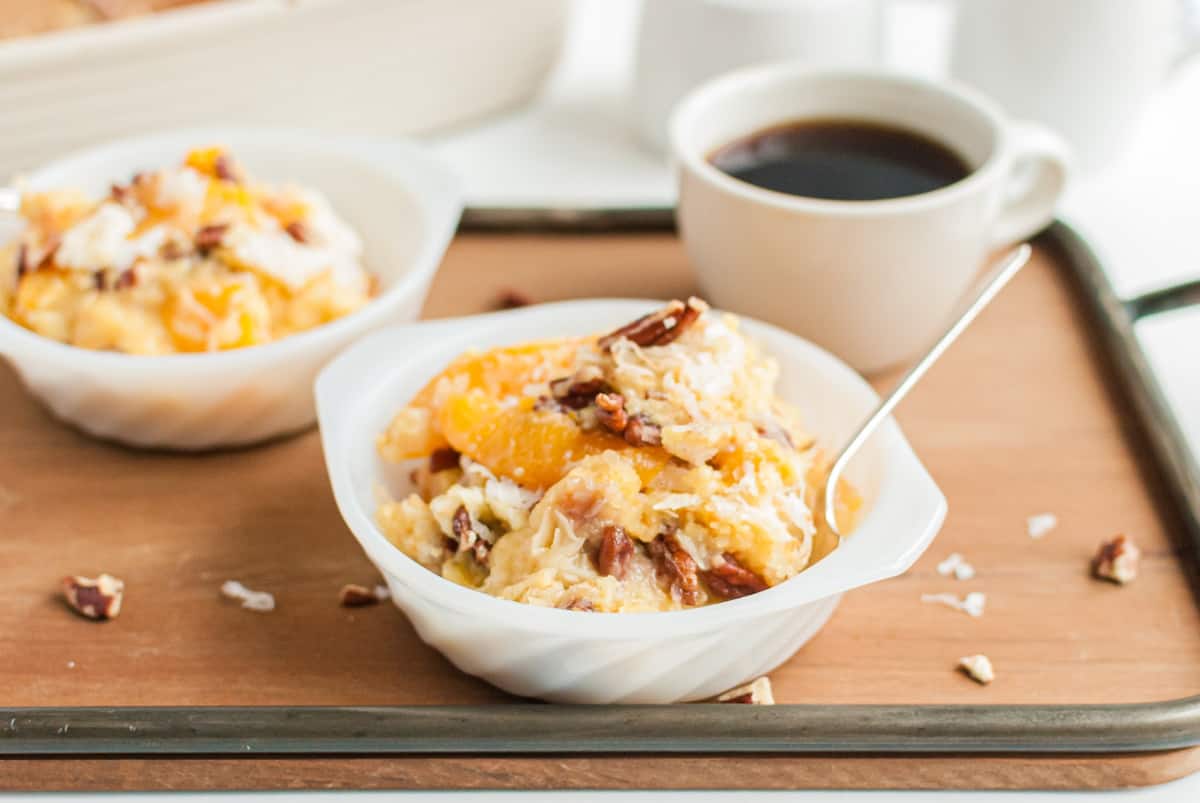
[607, 658]
[403, 204]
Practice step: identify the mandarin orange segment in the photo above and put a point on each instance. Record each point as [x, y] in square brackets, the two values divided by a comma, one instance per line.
[204, 160]
[504, 371]
[534, 448]
[767, 453]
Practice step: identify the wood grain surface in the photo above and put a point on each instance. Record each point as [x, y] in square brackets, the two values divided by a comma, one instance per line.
[1016, 420]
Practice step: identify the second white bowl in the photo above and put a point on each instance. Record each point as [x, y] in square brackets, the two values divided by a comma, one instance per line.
[569, 656]
[403, 204]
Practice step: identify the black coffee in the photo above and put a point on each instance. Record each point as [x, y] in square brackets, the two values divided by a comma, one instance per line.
[841, 160]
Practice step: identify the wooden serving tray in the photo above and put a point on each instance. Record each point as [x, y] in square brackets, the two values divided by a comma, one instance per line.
[1017, 419]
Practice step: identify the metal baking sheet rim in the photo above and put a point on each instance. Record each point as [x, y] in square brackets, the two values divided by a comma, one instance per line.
[694, 728]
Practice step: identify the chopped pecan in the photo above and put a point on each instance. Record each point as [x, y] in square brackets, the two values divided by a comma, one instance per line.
[658, 328]
[443, 459]
[641, 431]
[1117, 560]
[98, 280]
[210, 237]
[353, 595]
[610, 411]
[616, 551]
[729, 579]
[512, 299]
[298, 231]
[579, 390]
[755, 693]
[675, 567]
[29, 259]
[467, 538]
[578, 604]
[98, 598]
[127, 279]
[226, 169]
[120, 193]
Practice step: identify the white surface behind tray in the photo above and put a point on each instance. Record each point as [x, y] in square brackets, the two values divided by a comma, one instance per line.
[1143, 217]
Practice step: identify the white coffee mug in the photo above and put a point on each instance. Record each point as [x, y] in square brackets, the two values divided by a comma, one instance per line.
[1086, 68]
[872, 281]
[683, 43]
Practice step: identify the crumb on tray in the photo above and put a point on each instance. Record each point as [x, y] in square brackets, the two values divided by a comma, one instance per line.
[972, 604]
[1117, 560]
[353, 595]
[978, 668]
[1040, 524]
[260, 601]
[757, 692]
[94, 598]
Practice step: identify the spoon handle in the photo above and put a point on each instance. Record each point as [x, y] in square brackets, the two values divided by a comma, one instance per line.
[1000, 276]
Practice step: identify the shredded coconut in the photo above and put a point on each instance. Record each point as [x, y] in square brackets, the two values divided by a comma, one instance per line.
[676, 501]
[955, 564]
[978, 667]
[1041, 524]
[260, 601]
[972, 604]
[99, 241]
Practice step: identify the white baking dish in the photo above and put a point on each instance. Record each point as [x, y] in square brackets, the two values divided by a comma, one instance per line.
[572, 656]
[378, 67]
[404, 205]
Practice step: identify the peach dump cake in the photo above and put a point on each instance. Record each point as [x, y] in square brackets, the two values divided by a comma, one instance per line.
[193, 258]
[648, 469]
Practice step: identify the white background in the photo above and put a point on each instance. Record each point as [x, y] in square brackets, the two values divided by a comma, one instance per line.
[581, 121]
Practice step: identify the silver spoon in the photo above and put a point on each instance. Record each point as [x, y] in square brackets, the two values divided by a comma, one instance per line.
[1000, 276]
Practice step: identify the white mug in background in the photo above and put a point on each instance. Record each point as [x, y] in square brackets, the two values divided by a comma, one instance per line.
[682, 43]
[872, 281]
[1086, 68]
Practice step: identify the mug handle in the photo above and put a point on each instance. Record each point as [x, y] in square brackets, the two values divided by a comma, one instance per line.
[1042, 161]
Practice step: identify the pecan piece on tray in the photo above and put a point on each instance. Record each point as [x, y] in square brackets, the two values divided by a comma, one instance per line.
[512, 299]
[658, 328]
[95, 598]
[675, 567]
[729, 579]
[353, 595]
[615, 553]
[1117, 560]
